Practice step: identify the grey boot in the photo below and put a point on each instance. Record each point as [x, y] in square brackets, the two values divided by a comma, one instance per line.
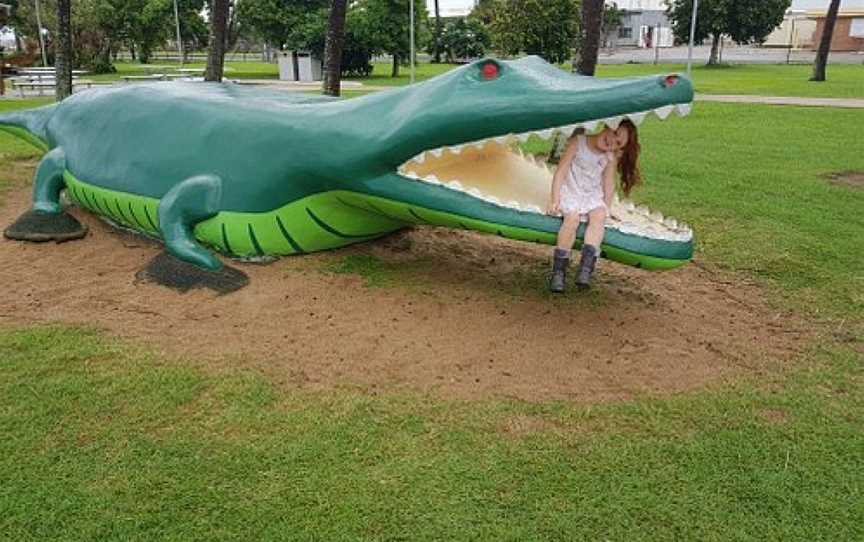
[586, 266]
[559, 271]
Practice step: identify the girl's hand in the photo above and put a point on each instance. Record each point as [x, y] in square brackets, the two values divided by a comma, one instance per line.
[554, 208]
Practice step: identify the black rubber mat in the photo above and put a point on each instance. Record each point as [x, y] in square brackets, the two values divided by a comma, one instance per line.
[166, 270]
[39, 227]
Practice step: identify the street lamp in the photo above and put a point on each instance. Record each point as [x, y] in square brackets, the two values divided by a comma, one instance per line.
[692, 37]
[411, 7]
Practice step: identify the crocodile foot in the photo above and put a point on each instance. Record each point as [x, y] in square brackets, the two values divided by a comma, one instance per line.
[41, 226]
[166, 270]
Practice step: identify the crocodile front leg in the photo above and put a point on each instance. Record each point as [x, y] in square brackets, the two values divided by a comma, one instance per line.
[46, 220]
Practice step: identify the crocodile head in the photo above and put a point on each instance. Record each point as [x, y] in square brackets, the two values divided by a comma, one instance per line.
[451, 145]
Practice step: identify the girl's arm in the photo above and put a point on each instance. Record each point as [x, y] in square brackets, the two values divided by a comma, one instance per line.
[609, 183]
[560, 174]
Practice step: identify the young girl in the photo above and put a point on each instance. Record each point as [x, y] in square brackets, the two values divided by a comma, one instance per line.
[583, 188]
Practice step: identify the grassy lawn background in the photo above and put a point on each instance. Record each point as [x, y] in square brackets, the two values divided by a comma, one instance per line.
[844, 81]
[106, 441]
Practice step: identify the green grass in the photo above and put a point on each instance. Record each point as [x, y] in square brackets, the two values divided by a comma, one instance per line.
[106, 443]
[844, 81]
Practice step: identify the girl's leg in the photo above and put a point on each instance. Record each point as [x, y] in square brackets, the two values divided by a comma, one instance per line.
[596, 227]
[591, 247]
[561, 257]
[567, 232]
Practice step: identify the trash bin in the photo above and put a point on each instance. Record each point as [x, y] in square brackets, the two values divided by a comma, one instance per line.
[287, 71]
[309, 67]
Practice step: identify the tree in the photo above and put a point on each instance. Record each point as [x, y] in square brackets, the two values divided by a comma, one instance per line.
[589, 36]
[744, 21]
[63, 52]
[333, 48]
[537, 27]
[612, 19]
[218, 38]
[385, 25]
[464, 39]
[825, 44]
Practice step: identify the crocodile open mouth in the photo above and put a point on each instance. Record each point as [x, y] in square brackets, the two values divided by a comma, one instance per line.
[497, 171]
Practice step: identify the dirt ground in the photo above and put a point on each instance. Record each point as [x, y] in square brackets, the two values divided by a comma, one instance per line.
[460, 315]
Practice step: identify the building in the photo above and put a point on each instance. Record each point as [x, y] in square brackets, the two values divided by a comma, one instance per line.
[848, 32]
[795, 32]
[644, 24]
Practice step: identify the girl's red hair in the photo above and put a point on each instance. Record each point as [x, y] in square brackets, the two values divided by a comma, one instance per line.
[628, 163]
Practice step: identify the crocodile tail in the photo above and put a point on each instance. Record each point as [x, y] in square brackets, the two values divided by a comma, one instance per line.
[30, 125]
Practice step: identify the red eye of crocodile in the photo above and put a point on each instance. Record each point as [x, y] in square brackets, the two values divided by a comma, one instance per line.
[671, 80]
[489, 71]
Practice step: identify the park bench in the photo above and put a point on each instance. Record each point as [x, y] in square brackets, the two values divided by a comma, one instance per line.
[150, 77]
[41, 83]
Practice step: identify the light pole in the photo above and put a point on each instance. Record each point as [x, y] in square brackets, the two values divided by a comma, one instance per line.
[411, 7]
[179, 40]
[692, 37]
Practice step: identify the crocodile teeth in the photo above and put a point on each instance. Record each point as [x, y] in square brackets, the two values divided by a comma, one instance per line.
[683, 109]
[671, 223]
[533, 209]
[546, 134]
[664, 112]
[420, 158]
[514, 204]
[432, 179]
[410, 175]
[502, 140]
[643, 210]
[637, 118]
[656, 216]
[613, 122]
[493, 199]
[630, 206]
[591, 125]
[456, 185]
[523, 137]
[457, 149]
[436, 152]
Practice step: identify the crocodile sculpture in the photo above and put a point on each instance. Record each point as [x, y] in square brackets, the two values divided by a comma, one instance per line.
[254, 172]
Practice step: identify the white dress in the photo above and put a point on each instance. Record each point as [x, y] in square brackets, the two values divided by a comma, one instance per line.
[582, 189]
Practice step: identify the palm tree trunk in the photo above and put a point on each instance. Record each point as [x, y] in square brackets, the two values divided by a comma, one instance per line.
[825, 45]
[218, 27]
[63, 51]
[333, 48]
[715, 49]
[437, 59]
[592, 18]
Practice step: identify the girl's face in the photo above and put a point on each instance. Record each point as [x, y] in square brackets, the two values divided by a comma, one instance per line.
[611, 140]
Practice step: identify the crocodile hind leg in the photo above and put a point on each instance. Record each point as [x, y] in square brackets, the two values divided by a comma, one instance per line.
[46, 220]
[187, 264]
[192, 201]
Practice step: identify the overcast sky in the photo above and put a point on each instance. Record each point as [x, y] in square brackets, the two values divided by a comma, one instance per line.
[465, 5]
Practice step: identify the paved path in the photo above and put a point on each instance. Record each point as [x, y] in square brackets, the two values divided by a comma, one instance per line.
[782, 100]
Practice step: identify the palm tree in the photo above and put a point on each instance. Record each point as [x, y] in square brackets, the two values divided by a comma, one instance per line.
[825, 44]
[592, 18]
[218, 39]
[63, 51]
[333, 48]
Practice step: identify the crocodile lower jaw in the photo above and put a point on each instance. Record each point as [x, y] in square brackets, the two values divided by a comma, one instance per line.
[496, 171]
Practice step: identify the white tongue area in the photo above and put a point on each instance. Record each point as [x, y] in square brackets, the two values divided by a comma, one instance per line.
[493, 172]
[497, 172]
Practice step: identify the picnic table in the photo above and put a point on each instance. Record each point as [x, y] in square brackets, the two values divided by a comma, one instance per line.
[42, 82]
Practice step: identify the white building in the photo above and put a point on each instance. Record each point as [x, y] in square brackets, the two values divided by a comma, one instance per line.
[644, 24]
